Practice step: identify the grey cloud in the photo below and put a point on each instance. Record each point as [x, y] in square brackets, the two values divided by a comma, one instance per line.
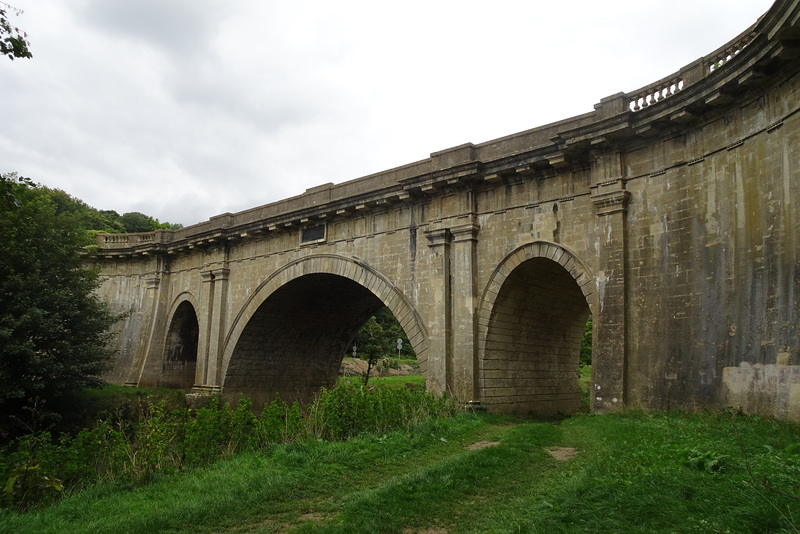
[183, 27]
[185, 109]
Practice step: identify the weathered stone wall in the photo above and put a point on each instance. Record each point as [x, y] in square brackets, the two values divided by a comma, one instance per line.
[667, 213]
[713, 237]
[124, 288]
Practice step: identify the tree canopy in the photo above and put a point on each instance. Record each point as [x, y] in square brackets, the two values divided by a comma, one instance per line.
[378, 337]
[95, 221]
[13, 41]
[54, 330]
[134, 222]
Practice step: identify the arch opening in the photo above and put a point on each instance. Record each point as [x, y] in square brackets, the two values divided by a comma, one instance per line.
[533, 342]
[294, 342]
[381, 347]
[180, 349]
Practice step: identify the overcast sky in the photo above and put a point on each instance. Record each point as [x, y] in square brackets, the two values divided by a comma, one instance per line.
[186, 109]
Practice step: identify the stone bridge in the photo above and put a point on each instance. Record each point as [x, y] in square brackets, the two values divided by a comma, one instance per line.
[666, 213]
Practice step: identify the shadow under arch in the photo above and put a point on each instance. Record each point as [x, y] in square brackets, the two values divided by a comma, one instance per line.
[531, 318]
[177, 363]
[290, 335]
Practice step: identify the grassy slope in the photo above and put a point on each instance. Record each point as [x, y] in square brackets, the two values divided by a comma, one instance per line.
[633, 472]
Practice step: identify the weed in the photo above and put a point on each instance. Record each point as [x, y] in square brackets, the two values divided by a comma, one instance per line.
[633, 472]
[160, 440]
[709, 461]
[26, 480]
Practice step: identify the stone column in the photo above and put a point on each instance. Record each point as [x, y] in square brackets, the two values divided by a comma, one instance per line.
[211, 324]
[439, 346]
[463, 357]
[216, 336]
[204, 321]
[610, 330]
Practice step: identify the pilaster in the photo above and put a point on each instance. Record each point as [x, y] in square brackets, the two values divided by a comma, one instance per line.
[464, 298]
[609, 342]
[211, 324]
[452, 342]
[204, 321]
[217, 326]
[439, 346]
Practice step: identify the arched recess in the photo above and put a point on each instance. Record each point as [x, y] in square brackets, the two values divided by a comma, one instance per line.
[179, 361]
[290, 335]
[531, 320]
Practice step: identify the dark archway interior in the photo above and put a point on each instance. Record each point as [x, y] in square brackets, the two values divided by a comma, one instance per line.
[533, 343]
[180, 354]
[294, 343]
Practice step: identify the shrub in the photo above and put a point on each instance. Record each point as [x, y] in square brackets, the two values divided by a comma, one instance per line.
[36, 468]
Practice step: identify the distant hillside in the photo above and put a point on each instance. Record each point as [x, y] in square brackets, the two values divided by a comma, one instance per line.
[96, 221]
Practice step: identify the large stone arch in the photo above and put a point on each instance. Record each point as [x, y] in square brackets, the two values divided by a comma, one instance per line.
[530, 323]
[311, 305]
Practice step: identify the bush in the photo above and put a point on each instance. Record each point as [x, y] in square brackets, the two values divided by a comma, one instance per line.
[348, 410]
[36, 468]
[54, 329]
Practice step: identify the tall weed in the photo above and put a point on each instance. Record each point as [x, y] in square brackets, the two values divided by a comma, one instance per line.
[348, 410]
[36, 467]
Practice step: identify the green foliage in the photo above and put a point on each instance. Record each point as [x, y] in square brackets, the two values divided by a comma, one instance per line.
[627, 476]
[95, 221]
[586, 344]
[710, 461]
[258, 491]
[25, 480]
[378, 338]
[584, 383]
[84, 216]
[392, 332]
[35, 468]
[54, 330]
[134, 222]
[369, 341]
[216, 431]
[279, 423]
[349, 410]
[13, 41]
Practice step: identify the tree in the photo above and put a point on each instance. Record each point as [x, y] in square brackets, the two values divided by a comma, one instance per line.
[135, 222]
[96, 221]
[380, 335]
[369, 344]
[392, 331]
[586, 343]
[91, 220]
[138, 222]
[13, 42]
[54, 330]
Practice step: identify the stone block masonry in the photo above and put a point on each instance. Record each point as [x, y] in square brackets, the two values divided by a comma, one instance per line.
[667, 213]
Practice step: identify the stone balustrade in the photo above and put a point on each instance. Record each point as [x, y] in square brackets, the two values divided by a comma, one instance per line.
[731, 50]
[111, 241]
[656, 93]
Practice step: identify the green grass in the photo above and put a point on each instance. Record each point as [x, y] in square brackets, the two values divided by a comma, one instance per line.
[633, 472]
[584, 383]
[414, 380]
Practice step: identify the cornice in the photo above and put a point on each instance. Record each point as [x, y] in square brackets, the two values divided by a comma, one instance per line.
[759, 57]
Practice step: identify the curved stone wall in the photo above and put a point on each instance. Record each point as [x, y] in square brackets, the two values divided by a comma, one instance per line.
[676, 203]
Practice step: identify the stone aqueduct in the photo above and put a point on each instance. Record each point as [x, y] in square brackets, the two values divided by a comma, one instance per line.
[667, 213]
